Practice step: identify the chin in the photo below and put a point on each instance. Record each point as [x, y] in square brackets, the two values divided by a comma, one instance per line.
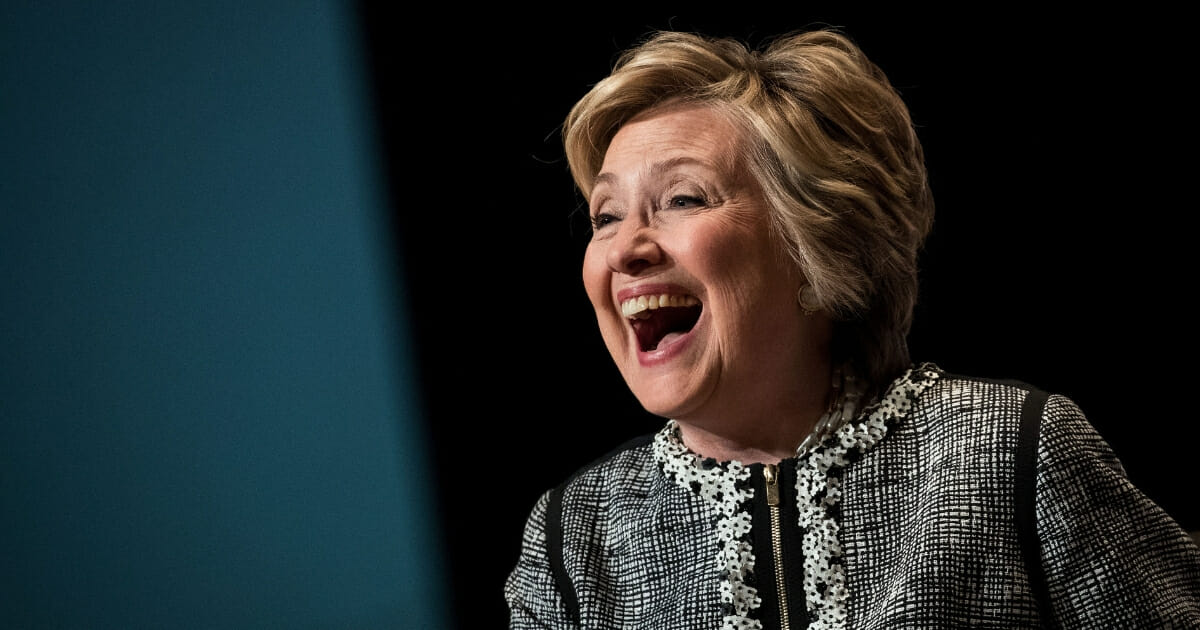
[665, 399]
[662, 411]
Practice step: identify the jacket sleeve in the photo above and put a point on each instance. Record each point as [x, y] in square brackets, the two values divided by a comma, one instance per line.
[532, 595]
[1112, 557]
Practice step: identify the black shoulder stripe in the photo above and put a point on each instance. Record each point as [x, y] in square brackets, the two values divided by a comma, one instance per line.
[1025, 505]
[554, 551]
[554, 532]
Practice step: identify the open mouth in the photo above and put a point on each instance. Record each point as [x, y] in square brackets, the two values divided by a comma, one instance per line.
[660, 318]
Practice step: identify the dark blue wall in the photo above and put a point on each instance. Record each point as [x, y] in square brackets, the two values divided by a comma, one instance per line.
[208, 417]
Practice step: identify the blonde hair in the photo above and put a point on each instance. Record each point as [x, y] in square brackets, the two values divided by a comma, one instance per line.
[833, 147]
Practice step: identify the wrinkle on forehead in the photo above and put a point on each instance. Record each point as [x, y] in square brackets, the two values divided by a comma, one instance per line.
[691, 134]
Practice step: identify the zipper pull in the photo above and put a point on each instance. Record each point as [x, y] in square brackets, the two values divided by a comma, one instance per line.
[771, 476]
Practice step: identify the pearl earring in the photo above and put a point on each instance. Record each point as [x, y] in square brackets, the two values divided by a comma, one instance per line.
[807, 297]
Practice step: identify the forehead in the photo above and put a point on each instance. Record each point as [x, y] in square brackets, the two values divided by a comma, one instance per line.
[690, 132]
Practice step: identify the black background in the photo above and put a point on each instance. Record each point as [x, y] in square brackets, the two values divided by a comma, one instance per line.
[1060, 155]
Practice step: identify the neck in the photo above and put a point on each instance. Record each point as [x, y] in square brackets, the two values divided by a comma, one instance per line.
[765, 448]
[778, 436]
[753, 432]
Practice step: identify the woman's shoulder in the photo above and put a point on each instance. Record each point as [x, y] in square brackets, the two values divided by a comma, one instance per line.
[973, 388]
[967, 407]
[621, 466]
[995, 396]
[977, 412]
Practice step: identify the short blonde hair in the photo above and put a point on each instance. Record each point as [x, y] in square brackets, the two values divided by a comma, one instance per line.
[833, 147]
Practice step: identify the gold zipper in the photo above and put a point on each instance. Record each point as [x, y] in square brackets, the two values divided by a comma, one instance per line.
[771, 476]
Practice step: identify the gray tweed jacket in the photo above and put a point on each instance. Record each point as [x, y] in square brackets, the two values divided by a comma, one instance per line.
[918, 514]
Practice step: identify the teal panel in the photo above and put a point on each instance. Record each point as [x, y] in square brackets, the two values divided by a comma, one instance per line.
[209, 417]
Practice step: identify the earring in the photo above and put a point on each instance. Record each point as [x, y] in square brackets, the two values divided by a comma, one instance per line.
[807, 297]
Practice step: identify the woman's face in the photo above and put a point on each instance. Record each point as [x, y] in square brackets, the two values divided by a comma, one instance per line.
[695, 299]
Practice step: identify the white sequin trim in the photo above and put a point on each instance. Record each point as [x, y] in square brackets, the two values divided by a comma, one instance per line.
[718, 483]
[818, 491]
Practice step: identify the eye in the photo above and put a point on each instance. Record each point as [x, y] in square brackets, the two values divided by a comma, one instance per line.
[602, 219]
[685, 201]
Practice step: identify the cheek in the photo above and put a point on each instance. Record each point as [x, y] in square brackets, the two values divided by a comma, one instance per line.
[716, 254]
[739, 264]
[595, 276]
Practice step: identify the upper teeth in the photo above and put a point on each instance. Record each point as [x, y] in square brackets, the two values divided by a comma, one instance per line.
[638, 306]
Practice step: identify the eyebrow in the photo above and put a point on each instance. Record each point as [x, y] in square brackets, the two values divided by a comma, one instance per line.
[658, 168]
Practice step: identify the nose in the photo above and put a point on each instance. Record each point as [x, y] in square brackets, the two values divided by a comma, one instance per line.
[634, 249]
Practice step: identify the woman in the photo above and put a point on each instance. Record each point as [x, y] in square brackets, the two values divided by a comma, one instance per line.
[753, 268]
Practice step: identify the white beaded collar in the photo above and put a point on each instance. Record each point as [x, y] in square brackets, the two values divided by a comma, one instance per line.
[821, 459]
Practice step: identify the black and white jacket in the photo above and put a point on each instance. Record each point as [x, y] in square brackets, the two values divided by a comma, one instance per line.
[918, 514]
